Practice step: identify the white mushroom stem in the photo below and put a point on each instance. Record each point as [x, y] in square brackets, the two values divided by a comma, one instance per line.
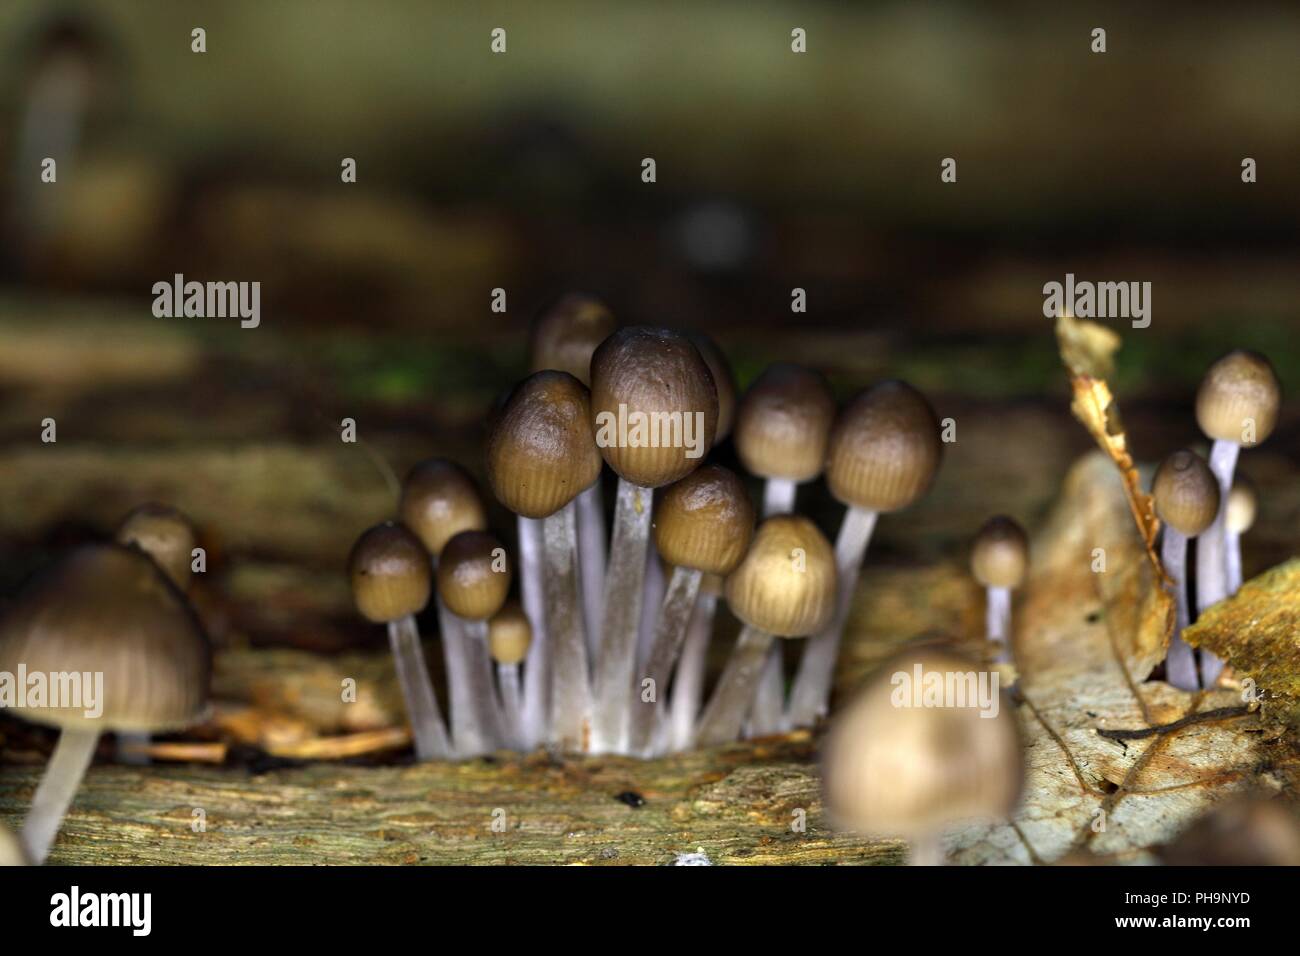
[778, 497]
[71, 757]
[417, 690]
[669, 635]
[624, 584]
[1180, 661]
[812, 684]
[591, 561]
[927, 850]
[1211, 547]
[652, 597]
[483, 698]
[688, 682]
[537, 666]
[1232, 559]
[997, 621]
[570, 676]
[734, 695]
[769, 704]
[466, 733]
[511, 704]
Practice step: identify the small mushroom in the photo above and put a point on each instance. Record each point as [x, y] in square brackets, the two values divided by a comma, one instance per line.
[703, 525]
[389, 571]
[724, 380]
[643, 382]
[1186, 499]
[784, 587]
[509, 635]
[1243, 503]
[541, 455]
[998, 561]
[899, 763]
[12, 851]
[883, 453]
[474, 581]
[104, 610]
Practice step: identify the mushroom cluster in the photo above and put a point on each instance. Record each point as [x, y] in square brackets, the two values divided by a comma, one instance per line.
[605, 649]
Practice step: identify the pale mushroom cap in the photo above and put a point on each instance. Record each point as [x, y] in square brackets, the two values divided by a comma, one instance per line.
[439, 501]
[785, 585]
[12, 851]
[897, 770]
[541, 451]
[784, 423]
[724, 380]
[474, 575]
[106, 609]
[705, 521]
[1243, 504]
[884, 448]
[657, 382]
[509, 634]
[566, 332]
[390, 574]
[1186, 493]
[1239, 398]
[1000, 554]
[165, 535]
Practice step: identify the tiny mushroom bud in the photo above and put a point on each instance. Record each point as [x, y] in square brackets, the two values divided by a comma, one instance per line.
[782, 428]
[1187, 500]
[389, 571]
[655, 411]
[165, 535]
[784, 587]
[998, 561]
[509, 635]
[703, 525]
[897, 764]
[883, 454]
[1239, 517]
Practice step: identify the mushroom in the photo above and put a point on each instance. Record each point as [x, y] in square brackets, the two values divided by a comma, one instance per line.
[896, 764]
[473, 581]
[564, 335]
[782, 427]
[541, 455]
[688, 681]
[1251, 830]
[1186, 499]
[783, 587]
[1238, 518]
[12, 851]
[724, 380]
[655, 410]
[439, 500]
[883, 453]
[702, 525]
[998, 560]
[389, 571]
[509, 635]
[104, 610]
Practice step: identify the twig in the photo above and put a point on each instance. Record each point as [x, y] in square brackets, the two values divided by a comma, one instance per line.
[1221, 713]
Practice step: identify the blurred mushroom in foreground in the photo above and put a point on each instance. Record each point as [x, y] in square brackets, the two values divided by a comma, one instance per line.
[1250, 831]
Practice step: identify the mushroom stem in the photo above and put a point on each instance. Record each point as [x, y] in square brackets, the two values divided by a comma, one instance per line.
[688, 682]
[812, 683]
[997, 621]
[768, 715]
[68, 763]
[1232, 559]
[734, 695]
[652, 596]
[508, 681]
[465, 733]
[537, 685]
[591, 560]
[417, 690]
[927, 850]
[1180, 661]
[570, 680]
[778, 496]
[669, 635]
[482, 730]
[624, 583]
[1211, 566]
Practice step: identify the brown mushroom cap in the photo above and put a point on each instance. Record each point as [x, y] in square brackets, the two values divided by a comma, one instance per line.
[12, 850]
[473, 575]
[705, 521]
[1186, 493]
[657, 376]
[884, 448]
[509, 634]
[1243, 503]
[389, 569]
[439, 501]
[541, 451]
[785, 585]
[1239, 388]
[111, 610]
[724, 380]
[1245, 831]
[891, 768]
[1000, 554]
[165, 535]
[566, 332]
[784, 423]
